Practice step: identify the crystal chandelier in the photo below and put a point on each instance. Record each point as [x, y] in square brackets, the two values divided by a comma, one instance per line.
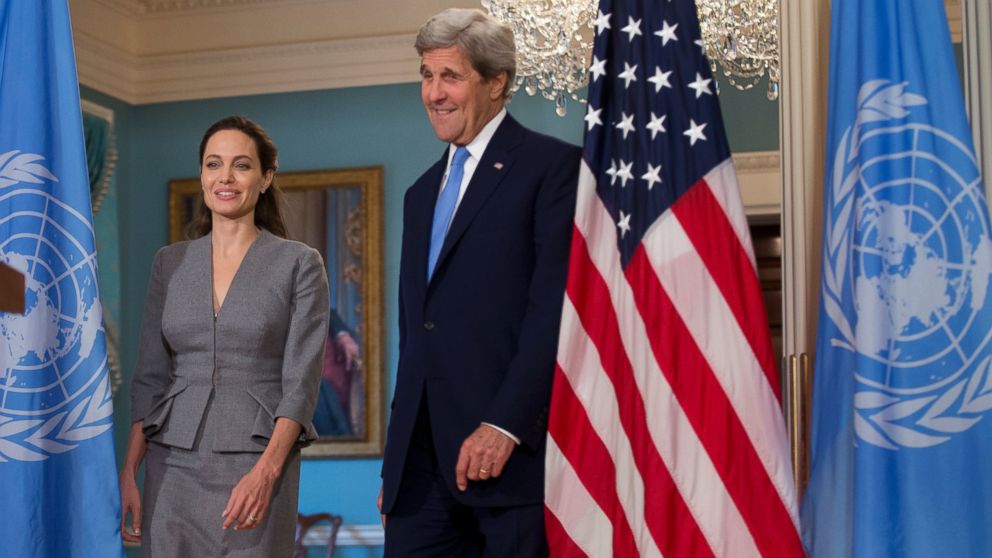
[554, 43]
[742, 35]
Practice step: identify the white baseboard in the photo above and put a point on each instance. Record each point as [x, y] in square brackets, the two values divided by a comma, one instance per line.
[348, 535]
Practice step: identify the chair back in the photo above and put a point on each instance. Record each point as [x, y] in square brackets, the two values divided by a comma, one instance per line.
[305, 522]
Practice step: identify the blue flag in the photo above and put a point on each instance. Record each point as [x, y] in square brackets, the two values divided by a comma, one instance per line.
[901, 453]
[59, 495]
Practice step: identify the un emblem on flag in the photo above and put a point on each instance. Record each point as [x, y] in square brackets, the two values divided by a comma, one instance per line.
[54, 384]
[906, 273]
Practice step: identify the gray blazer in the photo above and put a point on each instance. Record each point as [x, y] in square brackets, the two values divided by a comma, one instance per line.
[261, 357]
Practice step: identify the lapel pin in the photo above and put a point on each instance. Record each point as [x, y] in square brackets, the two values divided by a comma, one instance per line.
[498, 166]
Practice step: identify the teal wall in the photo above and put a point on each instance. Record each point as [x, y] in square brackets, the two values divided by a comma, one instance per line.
[123, 118]
[383, 125]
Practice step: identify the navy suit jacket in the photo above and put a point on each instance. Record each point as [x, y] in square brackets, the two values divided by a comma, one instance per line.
[479, 340]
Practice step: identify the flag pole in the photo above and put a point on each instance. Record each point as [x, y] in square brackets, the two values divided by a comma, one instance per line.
[793, 418]
[798, 394]
[806, 394]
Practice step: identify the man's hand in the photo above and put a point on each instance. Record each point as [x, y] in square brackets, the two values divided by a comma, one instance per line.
[378, 504]
[349, 348]
[483, 455]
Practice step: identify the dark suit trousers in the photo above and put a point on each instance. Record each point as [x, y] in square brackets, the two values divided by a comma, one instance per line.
[428, 521]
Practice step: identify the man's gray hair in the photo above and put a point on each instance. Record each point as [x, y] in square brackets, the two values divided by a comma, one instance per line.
[487, 43]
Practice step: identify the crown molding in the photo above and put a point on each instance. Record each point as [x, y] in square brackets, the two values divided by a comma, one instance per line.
[953, 8]
[174, 6]
[279, 68]
[126, 7]
[105, 67]
[245, 71]
[145, 8]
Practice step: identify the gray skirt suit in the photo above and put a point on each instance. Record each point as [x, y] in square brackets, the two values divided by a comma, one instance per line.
[209, 389]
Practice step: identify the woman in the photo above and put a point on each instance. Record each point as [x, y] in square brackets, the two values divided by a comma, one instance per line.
[232, 344]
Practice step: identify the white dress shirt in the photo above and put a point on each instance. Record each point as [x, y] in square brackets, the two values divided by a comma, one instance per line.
[475, 148]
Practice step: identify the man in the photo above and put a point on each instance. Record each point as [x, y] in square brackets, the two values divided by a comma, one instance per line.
[485, 253]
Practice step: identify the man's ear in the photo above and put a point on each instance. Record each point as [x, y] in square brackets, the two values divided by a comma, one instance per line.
[497, 85]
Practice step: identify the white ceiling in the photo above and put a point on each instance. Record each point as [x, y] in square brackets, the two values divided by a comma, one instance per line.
[147, 51]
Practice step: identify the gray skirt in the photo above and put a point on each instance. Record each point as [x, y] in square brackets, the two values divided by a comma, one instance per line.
[186, 492]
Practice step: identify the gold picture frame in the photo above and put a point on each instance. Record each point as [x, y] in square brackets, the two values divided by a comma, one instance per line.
[338, 212]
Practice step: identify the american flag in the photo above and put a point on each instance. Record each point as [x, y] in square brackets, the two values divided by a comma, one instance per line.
[666, 435]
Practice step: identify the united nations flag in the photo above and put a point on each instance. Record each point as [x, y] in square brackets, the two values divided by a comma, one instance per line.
[59, 495]
[901, 453]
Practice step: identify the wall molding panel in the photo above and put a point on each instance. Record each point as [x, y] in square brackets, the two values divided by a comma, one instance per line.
[805, 36]
[759, 175]
[978, 81]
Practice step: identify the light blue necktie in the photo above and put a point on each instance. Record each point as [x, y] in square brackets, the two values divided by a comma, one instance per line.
[445, 207]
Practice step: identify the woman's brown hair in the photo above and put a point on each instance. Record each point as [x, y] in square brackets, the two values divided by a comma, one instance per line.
[268, 210]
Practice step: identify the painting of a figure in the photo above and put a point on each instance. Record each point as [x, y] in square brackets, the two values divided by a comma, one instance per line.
[330, 220]
[341, 403]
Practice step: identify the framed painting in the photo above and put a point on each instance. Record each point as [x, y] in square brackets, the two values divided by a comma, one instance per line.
[339, 213]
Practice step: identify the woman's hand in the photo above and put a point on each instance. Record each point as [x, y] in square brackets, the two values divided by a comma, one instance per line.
[130, 503]
[130, 496]
[250, 499]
